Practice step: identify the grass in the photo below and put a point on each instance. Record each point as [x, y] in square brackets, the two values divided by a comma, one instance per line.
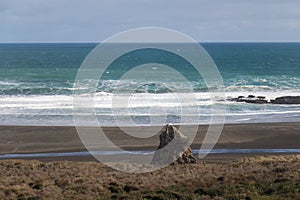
[272, 177]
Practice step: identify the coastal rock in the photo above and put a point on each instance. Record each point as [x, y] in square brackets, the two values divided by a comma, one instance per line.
[286, 100]
[177, 152]
[261, 97]
[263, 100]
[256, 101]
[250, 99]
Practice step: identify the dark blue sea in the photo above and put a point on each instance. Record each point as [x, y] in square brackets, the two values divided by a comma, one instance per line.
[37, 85]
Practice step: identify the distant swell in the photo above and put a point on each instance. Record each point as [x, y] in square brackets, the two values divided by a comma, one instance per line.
[243, 85]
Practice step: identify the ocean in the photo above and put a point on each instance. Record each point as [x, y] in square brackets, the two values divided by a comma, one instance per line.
[37, 86]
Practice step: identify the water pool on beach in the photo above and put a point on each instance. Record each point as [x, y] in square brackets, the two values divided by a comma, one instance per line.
[110, 153]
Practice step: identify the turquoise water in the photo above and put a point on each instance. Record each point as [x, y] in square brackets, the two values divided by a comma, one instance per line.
[37, 83]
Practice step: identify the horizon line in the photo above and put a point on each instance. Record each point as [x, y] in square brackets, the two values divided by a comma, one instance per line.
[95, 42]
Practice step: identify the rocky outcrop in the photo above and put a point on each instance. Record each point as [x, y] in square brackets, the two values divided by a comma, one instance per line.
[286, 100]
[250, 99]
[173, 148]
[263, 100]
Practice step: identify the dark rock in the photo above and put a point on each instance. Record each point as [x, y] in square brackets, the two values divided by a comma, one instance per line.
[232, 99]
[261, 97]
[250, 99]
[286, 100]
[178, 153]
[263, 100]
[240, 100]
[256, 101]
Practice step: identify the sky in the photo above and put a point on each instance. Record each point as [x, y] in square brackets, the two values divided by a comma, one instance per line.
[96, 20]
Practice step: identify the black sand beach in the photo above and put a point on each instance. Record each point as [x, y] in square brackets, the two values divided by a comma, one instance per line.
[41, 139]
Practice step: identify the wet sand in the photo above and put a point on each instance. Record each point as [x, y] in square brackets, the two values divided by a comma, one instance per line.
[41, 139]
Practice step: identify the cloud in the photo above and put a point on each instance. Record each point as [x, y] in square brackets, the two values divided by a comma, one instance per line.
[95, 20]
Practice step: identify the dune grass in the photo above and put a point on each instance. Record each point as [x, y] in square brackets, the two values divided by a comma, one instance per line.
[271, 177]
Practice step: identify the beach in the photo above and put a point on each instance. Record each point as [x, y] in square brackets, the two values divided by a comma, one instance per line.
[43, 139]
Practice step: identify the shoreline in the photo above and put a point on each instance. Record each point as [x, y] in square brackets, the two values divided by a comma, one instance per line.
[156, 125]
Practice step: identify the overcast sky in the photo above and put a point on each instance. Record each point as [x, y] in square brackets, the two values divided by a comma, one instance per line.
[95, 20]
